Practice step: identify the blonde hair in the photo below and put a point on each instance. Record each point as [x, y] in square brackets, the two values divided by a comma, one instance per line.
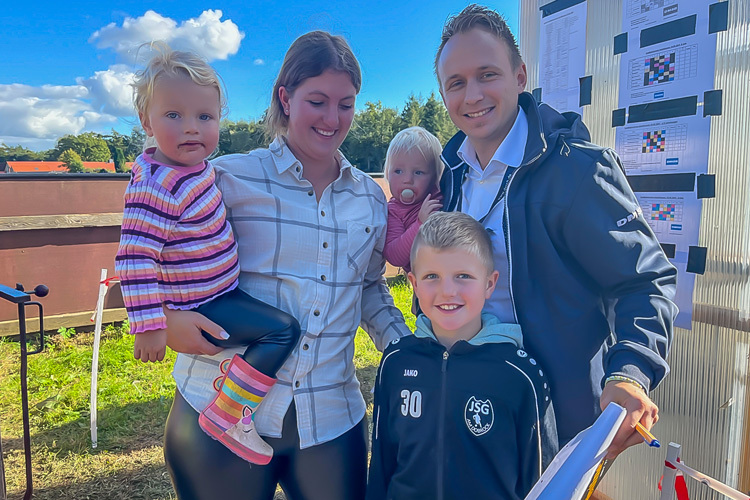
[309, 56]
[172, 63]
[422, 140]
[449, 230]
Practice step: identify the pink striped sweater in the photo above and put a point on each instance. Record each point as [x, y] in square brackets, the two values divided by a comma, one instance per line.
[176, 247]
[403, 224]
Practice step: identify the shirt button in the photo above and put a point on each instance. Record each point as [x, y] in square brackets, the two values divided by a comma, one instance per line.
[296, 384]
[316, 313]
[305, 347]
[310, 193]
[325, 244]
[297, 169]
[367, 229]
[322, 277]
[323, 213]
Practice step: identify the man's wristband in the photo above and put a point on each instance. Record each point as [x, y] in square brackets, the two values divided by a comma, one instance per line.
[620, 378]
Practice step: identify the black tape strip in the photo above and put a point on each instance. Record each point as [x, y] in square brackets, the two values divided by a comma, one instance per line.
[618, 117]
[706, 186]
[669, 249]
[718, 17]
[557, 6]
[696, 262]
[661, 110]
[621, 43]
[668, 31]
[712, 100]
[584, 94]
[537, 93]
[663, 183]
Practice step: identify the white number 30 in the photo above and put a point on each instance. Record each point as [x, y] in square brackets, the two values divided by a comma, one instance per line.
[412, 404]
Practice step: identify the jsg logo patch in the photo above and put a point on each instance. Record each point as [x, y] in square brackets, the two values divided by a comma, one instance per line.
[479, 416]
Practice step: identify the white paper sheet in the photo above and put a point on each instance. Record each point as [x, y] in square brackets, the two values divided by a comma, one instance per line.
[571, 471]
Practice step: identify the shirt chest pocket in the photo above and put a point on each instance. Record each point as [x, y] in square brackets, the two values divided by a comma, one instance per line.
[361, 238]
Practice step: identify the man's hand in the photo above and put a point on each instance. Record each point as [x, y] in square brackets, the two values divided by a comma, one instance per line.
[184, 332]
[428, 206]
[150, 345]
[639, 408]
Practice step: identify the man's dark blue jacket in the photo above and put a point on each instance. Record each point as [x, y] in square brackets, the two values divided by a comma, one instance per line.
[590, 284]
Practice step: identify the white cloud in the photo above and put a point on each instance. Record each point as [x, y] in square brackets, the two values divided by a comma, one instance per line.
[259, 62]
[206, 35]
[111, 91]
[37, 116]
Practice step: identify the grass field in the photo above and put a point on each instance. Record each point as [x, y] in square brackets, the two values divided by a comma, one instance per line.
[134, 400]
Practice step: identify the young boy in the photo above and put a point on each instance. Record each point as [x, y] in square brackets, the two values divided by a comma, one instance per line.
[461, 410]
[580, 270]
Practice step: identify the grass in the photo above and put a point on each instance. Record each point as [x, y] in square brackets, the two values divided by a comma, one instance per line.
[133, 401]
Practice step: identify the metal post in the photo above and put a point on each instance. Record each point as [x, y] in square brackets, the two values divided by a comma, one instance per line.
[22, 299]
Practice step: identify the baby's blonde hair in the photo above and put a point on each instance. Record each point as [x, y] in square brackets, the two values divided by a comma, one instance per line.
[172, 63]
[425, 142]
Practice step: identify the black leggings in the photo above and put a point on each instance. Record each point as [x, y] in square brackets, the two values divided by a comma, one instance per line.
[269, 333]
[203, 469]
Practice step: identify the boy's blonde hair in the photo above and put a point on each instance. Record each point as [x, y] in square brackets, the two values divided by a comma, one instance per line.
[449, 230]
[172, 63]
[425, 142]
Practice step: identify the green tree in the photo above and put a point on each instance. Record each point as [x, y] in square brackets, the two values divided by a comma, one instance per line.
[90, 146]
[72, 161]
[19, 153]
[119, 159]
[436, 120]
[411, 116]
[240, 137]
[135, 142]
[371, 132]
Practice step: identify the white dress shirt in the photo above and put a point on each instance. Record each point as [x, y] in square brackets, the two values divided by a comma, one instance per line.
[479, 191]
[320, 261]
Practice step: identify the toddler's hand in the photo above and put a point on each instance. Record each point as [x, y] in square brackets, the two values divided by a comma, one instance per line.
[428, 206]
[150, 345]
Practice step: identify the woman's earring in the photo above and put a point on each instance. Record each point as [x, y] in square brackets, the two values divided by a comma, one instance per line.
[286, 111]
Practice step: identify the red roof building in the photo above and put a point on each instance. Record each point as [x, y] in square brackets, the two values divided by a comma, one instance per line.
[52, 166]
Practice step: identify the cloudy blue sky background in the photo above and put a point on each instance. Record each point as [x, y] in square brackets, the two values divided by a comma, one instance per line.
[66, 66]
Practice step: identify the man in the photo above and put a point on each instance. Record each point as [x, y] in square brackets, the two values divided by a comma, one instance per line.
[581, 270]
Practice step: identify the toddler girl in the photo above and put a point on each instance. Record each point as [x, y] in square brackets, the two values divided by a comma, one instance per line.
[178, 251]
[413, 168]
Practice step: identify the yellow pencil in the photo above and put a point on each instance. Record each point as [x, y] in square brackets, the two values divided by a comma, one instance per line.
[647, 436]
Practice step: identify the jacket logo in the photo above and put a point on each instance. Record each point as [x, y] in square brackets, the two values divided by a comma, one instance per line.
[411, 373]
[479, 416]
[630, 217]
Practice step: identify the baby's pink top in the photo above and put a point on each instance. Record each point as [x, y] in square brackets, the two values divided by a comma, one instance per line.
[403, 224]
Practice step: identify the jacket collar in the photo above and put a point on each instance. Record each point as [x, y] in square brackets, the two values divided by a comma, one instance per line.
[492, 332]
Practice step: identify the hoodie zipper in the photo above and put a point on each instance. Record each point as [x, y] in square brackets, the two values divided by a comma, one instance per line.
[441, 429]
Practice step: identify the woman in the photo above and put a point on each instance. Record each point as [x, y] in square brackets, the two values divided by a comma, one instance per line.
[310, 230]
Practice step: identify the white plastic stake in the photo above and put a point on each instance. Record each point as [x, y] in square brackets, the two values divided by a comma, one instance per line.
[95, 357]
[670, 474]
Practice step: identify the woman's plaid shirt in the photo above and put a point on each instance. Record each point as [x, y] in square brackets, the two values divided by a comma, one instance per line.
[320, 261]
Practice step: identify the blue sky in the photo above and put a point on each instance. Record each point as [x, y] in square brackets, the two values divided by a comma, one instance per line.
[66, 66]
